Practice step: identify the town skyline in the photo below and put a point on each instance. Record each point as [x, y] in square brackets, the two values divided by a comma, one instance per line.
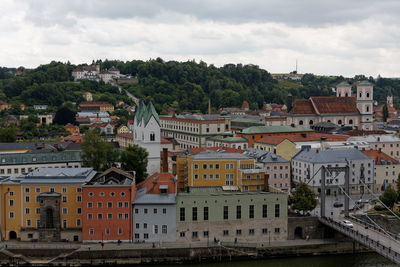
[325, 38]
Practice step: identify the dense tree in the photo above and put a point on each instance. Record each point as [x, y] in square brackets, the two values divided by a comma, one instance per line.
[303, 198]
[8, 135]
[96, 152]
[134, 158]
[389, 197]
[385, 112]
[64, 116]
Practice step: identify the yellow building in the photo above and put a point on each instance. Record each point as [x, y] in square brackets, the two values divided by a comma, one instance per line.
[45, 204]
[285, 148]
[219, 168]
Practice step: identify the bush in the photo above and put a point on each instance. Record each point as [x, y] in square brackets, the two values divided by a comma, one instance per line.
[378, 208]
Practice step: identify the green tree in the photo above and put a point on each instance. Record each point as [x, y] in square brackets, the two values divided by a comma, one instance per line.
[303, 198]
[8, 135]
[389, 197]
[64, 116]
[96, 152]
[134, 158]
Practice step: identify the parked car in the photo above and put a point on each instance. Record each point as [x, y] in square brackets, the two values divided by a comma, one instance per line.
[337, 204]
[360, 201]
[348, 223]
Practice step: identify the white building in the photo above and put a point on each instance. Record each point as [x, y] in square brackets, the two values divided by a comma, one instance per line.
[306, 166]
[387, 143]
[147, 134]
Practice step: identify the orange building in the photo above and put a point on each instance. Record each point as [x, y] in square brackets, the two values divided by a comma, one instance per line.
[257, 132]
[73, 129]
[107, 207]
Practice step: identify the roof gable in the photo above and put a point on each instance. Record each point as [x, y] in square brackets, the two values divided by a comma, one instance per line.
[334, 105]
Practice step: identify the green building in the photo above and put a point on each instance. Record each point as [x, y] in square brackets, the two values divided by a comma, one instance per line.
[222, 213]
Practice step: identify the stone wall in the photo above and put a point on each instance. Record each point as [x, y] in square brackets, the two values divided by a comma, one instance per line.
[301, 227]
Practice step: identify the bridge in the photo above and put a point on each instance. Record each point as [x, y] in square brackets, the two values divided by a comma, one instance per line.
[369, 234]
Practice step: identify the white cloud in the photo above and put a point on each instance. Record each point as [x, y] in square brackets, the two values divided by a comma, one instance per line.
[335, 38]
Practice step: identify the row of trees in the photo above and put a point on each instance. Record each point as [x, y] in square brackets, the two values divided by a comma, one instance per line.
[101, 155]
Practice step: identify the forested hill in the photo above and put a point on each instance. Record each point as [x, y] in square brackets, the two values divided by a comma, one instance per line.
[186, 86]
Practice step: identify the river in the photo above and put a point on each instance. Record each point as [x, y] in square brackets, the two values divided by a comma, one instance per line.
[348, 260]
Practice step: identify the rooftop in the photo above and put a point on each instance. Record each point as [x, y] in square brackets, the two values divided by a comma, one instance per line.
[228, 139]
[275, 129]
[306, 137]
[379, 157]
[265, 156]
[376, 138]
[197, 150]
[328, 156]
[211, 154]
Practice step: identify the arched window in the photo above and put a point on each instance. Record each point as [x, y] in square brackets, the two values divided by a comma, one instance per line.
[339, 122]
[329, 120]
[367, 94]
[300, 122]
[360, 94]
[152, 137]
[311, 122]
[347, 94]
[367, 108]
[350, 122]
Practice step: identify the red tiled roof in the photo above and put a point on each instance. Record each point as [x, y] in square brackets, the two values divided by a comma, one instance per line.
[335, 105]
[274, 140]
[356, 132]
[197, 150]
[153, 183]
[379, 157]
[73, 138]
[95, 104]
[164, 140]
[302, 106]
[125, 135]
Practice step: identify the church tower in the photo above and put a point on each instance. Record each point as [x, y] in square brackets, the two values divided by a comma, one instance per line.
[365, 100]
[389, 99]
[147, 134]
[343, 89]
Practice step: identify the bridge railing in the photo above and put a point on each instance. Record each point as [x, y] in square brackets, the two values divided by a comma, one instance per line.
[372, 226]
[365, 240]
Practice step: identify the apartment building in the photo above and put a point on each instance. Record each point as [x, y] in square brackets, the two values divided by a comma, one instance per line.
[193, 130]
[387, 143]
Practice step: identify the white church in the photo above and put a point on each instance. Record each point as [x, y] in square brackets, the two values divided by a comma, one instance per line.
[147, 134]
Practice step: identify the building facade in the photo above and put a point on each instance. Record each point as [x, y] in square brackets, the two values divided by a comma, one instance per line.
[209, 214]
[44, 205]
[306, 166]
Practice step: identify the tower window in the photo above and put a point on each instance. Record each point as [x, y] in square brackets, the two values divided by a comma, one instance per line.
[340, 122]
[360, 94]
[301, 122]
[367, 94]
[347, 94]
[152, 137]
[367, 108]
[350, 121]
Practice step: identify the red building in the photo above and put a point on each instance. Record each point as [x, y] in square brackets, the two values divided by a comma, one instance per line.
[107, 207]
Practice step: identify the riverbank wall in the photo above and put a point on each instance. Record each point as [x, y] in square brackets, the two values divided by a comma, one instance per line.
[121, 255]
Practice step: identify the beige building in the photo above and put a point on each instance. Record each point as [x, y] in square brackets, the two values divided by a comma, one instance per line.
[387, 169]
[387, 143]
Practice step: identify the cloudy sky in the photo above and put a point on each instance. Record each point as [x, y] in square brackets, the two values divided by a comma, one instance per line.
[340, 37]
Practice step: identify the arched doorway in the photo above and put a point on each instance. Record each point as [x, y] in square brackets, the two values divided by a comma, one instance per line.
[298, 232]
[13, 235]
[49, 218]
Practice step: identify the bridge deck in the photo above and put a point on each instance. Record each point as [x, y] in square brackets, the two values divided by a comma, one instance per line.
[368, 237]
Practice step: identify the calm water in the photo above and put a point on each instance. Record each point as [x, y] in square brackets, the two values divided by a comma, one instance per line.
[357, 260]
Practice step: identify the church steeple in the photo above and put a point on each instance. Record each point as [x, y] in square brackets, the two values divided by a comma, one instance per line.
[389, 99]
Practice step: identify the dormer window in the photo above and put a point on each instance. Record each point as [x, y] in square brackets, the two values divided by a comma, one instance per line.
[164, 189]
[152, 137]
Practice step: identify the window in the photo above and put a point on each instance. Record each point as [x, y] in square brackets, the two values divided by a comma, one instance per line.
[79, 189]
[196, 176]
[122, 194]
[89, 216]
[101, 194]
[264, 211]
[109, 205]
[238, 231]
[226, 212]
[196, 166]
[182, 214]
[79, 199]
[264, 231]
[126, 216]
[91, 231]
[145, 226]
[64, 224]
[182, 234]
[79, 211]
[100, 216]
[251, 231]
[107, 231]
[136, 211]
[155, 229]
[226, 232]
[91, 194]
[238, 212]
[145, 211]
[78, 222]
[11, 215]
[120, 216]
[164, 211]
[155, 211]
[89, 205]
[205, 213]
[152, 137]
[251, 211]
[37, 210]
[64, 211]
[109, 216]
[11, 194]
[204, 166]
[26, 189]
[276, 210]
[277, 230]
[217, 176]
[11, 202]
[27, 210]
[164, 229]
[64, 199]
[126, 204]
[205, 233]
[120, 204]
[64, 190]
[27, 199]
[37, 189]
[194, 213]
[205, 176]
[194, 234]
[217, 166]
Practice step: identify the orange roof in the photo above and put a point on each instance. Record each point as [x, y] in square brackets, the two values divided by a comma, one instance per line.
[274, 140]
[333, 104]
[302, 106]
[95, 104]
[197, 150]
[379, 157]
[125, 135]
[153, 183]
[73, 138]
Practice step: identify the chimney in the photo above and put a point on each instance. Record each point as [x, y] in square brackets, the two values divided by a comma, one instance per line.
[165, 160]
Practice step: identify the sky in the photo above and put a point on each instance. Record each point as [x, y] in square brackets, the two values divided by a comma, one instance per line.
[336, 37]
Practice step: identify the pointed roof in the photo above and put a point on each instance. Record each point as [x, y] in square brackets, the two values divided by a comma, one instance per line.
[365, 83]
[343, 84]
[145, 113]
[390, 93]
